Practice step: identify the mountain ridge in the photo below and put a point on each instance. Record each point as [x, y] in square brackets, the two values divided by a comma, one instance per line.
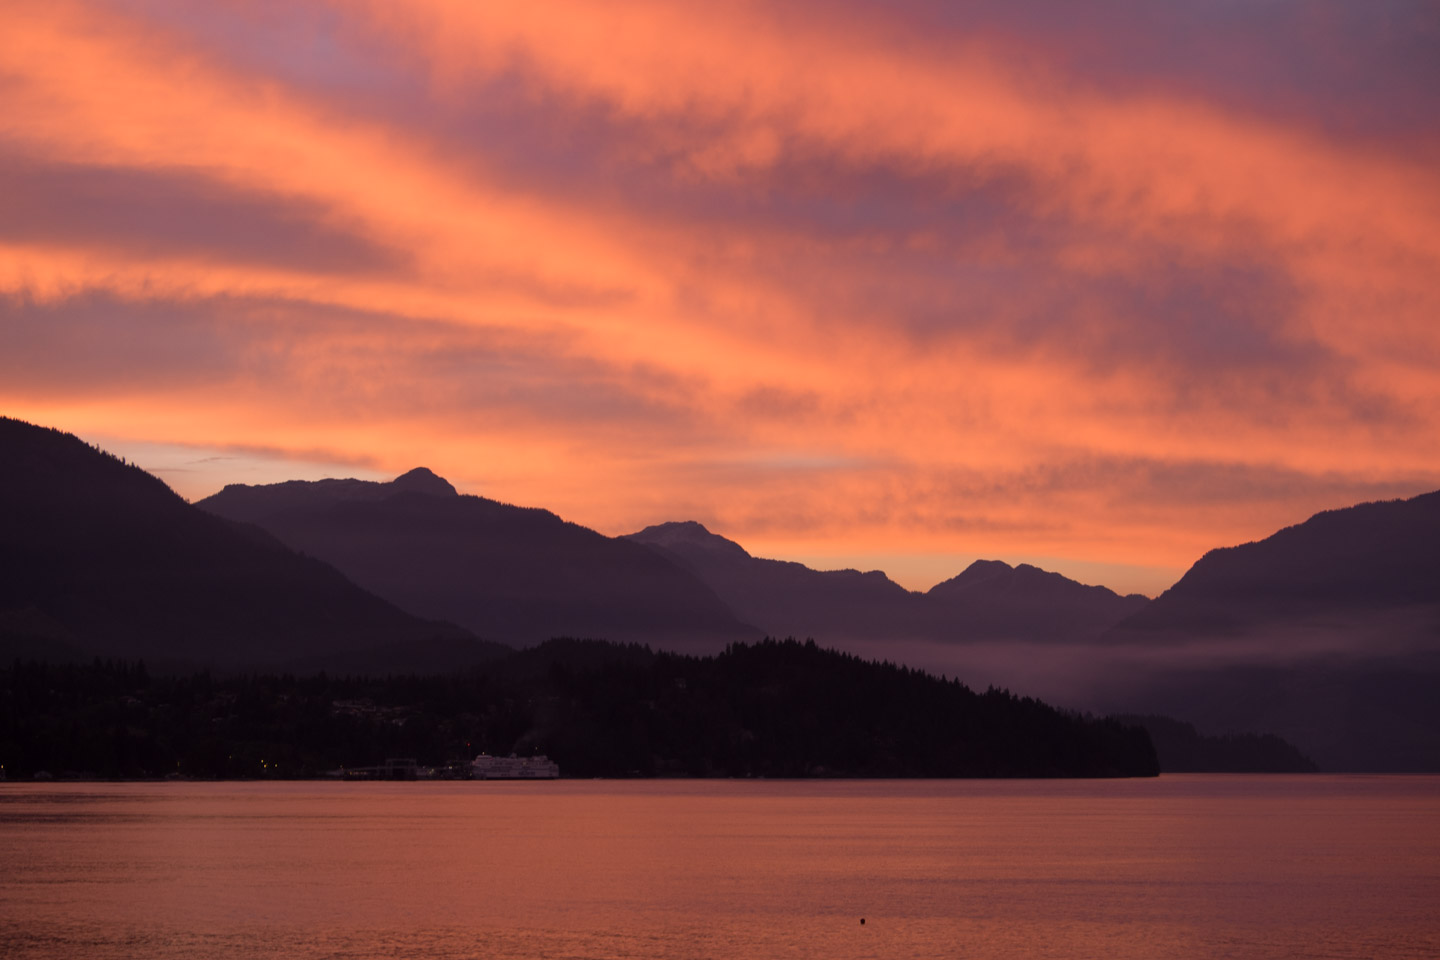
[1355, 559]
[517, 574]
[99, 557]
[988, 600]
[1326, 632]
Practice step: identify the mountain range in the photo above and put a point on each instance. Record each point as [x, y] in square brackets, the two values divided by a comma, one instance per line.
[1326, 633]
[521, 575]
[989, 600]
[511, 574]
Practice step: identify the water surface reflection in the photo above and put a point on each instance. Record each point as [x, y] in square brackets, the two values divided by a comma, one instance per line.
[1177, 867]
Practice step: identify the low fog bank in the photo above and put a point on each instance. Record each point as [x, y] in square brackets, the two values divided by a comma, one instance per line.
[1355, 696]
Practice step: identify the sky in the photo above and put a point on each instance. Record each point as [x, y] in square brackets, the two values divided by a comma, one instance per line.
[892, 285]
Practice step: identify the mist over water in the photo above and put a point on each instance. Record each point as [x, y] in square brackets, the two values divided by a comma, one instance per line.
[1354, 695]
[1090, 674]
[1177, 867]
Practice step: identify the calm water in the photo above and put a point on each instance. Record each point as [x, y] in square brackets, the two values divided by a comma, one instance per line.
[1179, 867]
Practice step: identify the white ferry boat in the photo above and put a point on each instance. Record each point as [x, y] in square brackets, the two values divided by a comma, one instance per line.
[486, 767]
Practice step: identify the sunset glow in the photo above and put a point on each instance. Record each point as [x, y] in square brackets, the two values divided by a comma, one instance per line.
[882, 285]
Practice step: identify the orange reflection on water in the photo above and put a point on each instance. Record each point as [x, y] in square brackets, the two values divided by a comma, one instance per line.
[1191, 866]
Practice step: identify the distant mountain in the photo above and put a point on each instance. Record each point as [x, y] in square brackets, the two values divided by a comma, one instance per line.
[1371, 565]
[990, 600]
[1326, 633]
[508, 573]
[998, 600]
[97, 557]
[785, 598]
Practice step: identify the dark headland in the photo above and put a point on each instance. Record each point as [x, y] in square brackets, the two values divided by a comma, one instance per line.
[771, 709]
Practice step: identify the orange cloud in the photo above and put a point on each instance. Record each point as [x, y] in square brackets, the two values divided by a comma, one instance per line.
[828, 283]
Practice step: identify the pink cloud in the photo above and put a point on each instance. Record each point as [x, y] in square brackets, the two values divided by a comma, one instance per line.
[885, 280]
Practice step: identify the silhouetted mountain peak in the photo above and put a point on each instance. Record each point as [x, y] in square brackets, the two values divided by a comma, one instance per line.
[252, 504]
[687, 537]
[519, 574]
[1337, 566]
[97, 553]
[997, 599]
[423, 480]
[977, 572]
[996, 577]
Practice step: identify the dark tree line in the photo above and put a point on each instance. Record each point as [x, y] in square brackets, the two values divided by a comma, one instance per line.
[772, 709]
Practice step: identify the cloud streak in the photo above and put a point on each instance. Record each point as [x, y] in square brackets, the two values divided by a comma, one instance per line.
[868, 278]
